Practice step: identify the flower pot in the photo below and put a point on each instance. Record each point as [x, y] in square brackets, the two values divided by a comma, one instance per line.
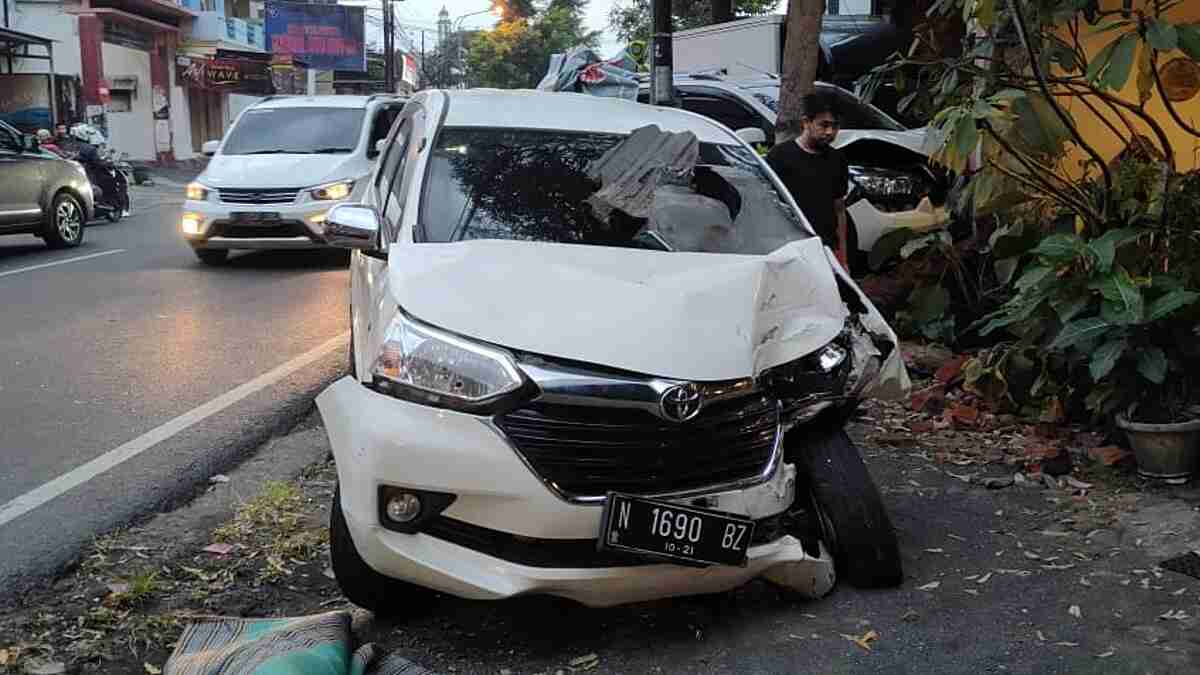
[1170, 452]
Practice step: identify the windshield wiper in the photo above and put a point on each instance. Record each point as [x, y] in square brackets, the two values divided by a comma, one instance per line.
[264, 152]
[330, 151]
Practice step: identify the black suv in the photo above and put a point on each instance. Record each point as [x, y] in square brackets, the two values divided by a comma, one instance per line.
[40, 192]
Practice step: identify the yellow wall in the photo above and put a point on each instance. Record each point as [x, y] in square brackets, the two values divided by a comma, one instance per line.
[1186, 146]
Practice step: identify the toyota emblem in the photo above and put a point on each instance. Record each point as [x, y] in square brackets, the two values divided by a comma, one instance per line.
[681, 402]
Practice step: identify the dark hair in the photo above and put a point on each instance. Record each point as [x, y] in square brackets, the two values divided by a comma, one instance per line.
[821, 102]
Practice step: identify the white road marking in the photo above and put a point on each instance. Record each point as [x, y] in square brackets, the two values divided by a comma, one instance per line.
[82, 474]
[61, 262]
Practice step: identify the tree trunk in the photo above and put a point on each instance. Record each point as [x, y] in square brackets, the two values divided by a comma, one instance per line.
[722, 11]
[800, 56]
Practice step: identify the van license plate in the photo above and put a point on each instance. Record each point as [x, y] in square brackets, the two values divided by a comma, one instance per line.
[680, 533]
[256, 217]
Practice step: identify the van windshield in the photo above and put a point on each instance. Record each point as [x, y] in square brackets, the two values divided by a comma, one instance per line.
[301, 131]
[542, 186]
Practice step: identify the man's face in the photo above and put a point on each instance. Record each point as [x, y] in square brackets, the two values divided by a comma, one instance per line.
[821, 130]
[60, 130]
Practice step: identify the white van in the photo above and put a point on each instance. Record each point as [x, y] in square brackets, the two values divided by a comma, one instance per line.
[285, 161]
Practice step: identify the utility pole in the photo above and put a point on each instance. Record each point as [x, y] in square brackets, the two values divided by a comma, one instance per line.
[389, 31]
[662, 60]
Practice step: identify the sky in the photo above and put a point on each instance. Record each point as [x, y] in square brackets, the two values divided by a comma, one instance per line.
[424, 14]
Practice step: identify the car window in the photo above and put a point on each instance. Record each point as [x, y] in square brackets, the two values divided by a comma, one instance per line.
[308, 130]
[726, 111]
[381, 125]
[533, 185]
[394, 162]
[9, 142]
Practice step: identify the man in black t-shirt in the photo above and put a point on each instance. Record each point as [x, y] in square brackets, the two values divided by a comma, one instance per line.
[816, 173]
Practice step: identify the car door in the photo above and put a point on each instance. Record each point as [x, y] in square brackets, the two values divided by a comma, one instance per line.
[370, 309]
[21, 177]
[381, 125]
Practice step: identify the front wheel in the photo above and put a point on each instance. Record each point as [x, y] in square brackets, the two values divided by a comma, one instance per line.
[853, 521]
[359, 582]
[64, 227]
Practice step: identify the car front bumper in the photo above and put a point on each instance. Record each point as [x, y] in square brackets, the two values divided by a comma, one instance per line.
[301, 226]
[379, 440]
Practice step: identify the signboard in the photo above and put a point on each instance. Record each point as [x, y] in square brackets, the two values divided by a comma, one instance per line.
[327, 37]
[239, 76]
[410, 70]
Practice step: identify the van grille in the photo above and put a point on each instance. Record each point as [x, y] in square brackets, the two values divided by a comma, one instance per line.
[587, 451]
[259, 196]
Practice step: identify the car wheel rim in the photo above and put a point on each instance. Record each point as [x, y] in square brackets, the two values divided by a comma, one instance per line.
[68, 220]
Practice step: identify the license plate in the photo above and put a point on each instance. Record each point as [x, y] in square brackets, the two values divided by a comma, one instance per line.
[679, 533]
[255, 217]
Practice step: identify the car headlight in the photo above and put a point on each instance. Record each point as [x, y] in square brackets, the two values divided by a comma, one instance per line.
[426, 365]
[886, 184]
[197, 192]
[331, 192]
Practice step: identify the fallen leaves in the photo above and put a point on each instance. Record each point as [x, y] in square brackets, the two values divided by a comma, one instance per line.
[929, 586]
[1106, 654]
[152, 669]
[1075, 611]
[586, 662]
[1109, 455]
[219, 548]
[864, 641]
[1174, 615]
[4, 657]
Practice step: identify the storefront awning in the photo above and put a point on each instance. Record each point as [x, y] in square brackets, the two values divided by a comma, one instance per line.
[15, 45]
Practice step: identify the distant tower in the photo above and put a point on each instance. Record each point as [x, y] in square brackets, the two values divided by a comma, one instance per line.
[443, 27]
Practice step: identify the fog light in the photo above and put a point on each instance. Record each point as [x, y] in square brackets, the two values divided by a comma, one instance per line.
[404, 507]
[831, 357]
[190, 224]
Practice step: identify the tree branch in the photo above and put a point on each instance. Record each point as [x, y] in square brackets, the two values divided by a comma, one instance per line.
[1039, 174]
[1022, 33]
[1103, 118]
[1155, 127]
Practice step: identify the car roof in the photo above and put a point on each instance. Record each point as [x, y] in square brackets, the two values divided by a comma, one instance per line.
[330, 101]
[526, 109]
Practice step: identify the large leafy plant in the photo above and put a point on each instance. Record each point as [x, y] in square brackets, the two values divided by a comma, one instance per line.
[1110, 282]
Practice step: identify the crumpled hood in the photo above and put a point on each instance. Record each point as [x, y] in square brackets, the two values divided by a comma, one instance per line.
[913, 139]
[277, 171]
[690, 316]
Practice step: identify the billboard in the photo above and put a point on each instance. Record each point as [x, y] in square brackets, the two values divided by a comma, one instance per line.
[409, 74]
[327, 37]
[241, 76]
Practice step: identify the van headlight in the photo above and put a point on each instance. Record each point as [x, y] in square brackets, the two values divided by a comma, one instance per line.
[423, 364]
[196, 192]
[332, 192]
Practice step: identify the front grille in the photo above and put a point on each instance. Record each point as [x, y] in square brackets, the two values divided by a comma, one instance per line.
[258, 196]
[588, 451]
[565, 553]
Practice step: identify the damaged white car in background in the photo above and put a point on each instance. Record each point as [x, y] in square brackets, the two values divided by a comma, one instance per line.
[597, 353]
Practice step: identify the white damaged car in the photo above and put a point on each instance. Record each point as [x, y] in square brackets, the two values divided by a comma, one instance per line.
[596, 353]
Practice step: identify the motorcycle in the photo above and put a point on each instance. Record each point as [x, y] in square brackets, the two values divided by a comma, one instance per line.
[110, 185]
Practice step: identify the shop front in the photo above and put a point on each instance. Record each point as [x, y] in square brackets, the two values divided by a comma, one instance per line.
[218, 87]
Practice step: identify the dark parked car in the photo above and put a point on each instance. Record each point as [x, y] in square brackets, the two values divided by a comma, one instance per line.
[41, 193]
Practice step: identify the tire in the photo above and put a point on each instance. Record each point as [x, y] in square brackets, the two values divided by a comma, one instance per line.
[212, 256]
[361, 584]
[64, 227]
[854, 523]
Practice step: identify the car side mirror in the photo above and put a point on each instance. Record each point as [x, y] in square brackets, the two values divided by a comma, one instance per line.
[752, 135]
[352, 226]
[210, 148]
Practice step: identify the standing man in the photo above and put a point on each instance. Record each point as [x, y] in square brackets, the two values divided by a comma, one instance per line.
[816, 173]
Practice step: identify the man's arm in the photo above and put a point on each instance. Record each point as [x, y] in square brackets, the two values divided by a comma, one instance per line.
[843, 243]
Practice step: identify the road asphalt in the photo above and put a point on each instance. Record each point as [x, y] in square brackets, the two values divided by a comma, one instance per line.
[102, 345]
